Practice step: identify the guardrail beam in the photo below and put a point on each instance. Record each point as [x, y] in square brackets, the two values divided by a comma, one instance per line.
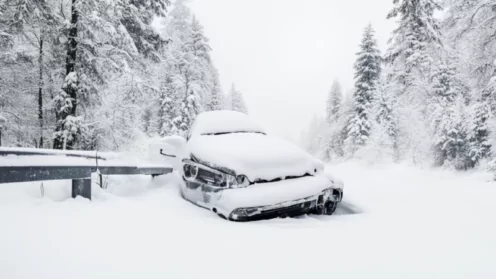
[41, 173]
[79, 174]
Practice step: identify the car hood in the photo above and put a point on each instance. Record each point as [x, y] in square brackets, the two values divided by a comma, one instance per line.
[258, 156]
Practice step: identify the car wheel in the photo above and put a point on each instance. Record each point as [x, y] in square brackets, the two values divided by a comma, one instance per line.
[328, 208]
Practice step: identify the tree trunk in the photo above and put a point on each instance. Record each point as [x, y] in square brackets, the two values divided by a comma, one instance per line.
[40, 95]
[61, 142]
[72, 55]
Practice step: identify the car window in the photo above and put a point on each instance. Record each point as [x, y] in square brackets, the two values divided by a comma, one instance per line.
[226, 133]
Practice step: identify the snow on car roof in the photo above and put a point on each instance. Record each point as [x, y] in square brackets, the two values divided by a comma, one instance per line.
[224, 121]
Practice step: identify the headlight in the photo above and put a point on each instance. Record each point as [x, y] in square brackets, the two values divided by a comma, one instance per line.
[190, 171]
[327, 194]
[195, 172]
[331, 194]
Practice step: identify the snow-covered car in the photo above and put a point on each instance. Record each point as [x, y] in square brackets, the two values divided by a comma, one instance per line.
[233, 168]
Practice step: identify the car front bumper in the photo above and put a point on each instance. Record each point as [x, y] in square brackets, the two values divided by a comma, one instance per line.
[289, 197]
[287, 209]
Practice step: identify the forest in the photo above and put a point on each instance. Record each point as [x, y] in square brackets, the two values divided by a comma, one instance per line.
[101, 74]
[428, 100]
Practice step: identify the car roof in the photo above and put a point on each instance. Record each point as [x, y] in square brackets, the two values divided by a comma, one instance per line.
[224, 121]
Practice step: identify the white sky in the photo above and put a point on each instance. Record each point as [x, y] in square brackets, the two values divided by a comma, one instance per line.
[284, 54]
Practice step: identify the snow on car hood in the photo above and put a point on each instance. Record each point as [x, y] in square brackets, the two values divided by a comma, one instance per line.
[257, 156]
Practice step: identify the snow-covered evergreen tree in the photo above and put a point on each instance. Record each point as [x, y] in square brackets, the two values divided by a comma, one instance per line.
[333, 141]
[197, 43]
[113, 86]
[28, 29]
[334, 101]
[313, 139]
[168, 110]
[384, 126]
[470, 27]
[367, 72]
[216, 96]
[137, 17]
[192, 71]
[449, 118]
[418, 31]
[235, 100]
[179, 20]
[412, 50]
[480, 131]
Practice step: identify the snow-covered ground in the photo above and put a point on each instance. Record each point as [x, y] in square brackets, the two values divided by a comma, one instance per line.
[412, 224]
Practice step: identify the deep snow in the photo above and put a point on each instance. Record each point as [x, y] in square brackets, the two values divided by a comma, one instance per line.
[413, 224]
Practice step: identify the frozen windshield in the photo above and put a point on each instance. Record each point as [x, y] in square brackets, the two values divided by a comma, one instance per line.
[224, 122]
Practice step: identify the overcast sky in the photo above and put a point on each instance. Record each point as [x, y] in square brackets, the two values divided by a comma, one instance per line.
[284, 54]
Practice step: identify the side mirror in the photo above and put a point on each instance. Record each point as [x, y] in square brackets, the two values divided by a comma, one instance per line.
[169, 150]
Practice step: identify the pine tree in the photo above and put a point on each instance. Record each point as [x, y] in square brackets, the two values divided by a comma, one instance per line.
[199, 42]
[179, 24]
[112, 77]
[385, 115]
[333, 139]
[34, 24]
[216, 95]
[367, 72]
[334, 100]
[200, 62]
[236, 101]
[168, 110]
[480, 146]
[417, 30]
[194, 84]
[412, 50]
[449, 118]
[137, 17]
[313, 139]
[66, 135]
[470, 27]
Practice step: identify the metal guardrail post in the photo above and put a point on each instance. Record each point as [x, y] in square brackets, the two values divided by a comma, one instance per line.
[81, 187]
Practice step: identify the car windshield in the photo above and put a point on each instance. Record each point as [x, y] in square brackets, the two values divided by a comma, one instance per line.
[224, 122]
[233, 132]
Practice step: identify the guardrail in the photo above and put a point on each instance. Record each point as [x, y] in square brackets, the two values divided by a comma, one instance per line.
[76, 166]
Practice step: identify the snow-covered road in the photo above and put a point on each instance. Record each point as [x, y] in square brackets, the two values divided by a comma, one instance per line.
[406, 223]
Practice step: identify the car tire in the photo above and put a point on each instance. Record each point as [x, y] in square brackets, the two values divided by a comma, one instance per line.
[328, 209]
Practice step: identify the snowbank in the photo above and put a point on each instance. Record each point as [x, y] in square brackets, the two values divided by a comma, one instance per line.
[414, 224]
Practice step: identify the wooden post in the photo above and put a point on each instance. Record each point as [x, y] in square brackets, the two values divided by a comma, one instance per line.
[81, 187]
